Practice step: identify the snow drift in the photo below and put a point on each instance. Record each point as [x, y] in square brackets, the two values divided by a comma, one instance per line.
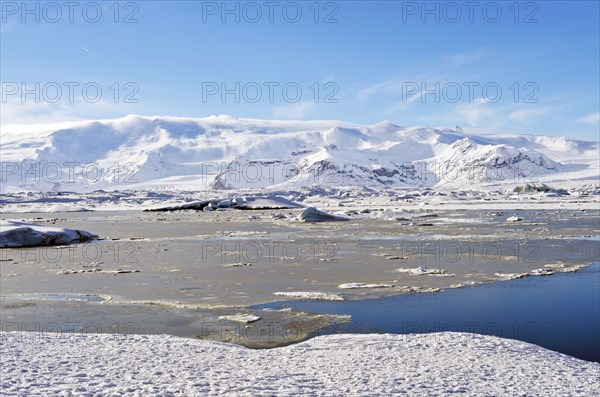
[350, 365]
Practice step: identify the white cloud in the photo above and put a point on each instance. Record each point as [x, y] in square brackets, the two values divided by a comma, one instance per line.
[409, 90]
[591, 119]
[15, 112]
[294, 110]
[387, 87]
[527, 114]
[405, 103]
[466, 57]
[483, 114]
[479, 112]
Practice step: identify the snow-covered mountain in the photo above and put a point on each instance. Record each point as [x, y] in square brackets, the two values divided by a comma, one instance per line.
[222, 152]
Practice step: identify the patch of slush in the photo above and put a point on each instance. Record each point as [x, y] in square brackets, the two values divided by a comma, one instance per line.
[584, 238]
[439, 237]
[59, 297]
[370, 364]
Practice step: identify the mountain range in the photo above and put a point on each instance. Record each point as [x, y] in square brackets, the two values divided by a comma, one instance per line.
[223, 152]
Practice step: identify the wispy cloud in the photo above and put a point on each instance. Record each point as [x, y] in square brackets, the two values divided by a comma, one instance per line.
[373, 89]
[528, 114]
[591, 119]
[490, 116]
[400, 93]
[15, 112]
[408, 89]
[294, 110]
[477, 113]
[466, 57]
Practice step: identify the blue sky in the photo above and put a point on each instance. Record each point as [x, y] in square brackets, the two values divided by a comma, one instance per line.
[370, 62]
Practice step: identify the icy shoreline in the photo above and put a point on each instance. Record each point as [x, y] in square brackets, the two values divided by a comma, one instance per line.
[342, 199]
[432, 364]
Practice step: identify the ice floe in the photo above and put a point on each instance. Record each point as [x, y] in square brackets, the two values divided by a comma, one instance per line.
[510, 276]
[238, 264]
[541, 272]
[571, 269]
[363, 285]
[310, 295]
[97, 270]
[311, 214]
[425, 271]
[241, 318]
[547, 270]
[414, 289]
[561, 267]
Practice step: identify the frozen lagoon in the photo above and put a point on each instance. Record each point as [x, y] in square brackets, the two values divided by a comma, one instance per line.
[190, 273]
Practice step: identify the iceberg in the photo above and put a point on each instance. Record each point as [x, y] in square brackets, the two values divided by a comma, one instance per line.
[311, 214]
[21, 234]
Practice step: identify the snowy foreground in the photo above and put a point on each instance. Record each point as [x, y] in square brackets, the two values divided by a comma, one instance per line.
[420, 365]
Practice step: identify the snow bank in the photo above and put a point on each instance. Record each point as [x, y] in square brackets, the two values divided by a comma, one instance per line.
[337, 365]
[19, 234]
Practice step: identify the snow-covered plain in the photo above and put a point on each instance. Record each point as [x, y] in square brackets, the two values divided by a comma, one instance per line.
[336, 365]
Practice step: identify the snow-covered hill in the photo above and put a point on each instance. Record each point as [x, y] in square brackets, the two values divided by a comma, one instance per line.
[222, 152]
